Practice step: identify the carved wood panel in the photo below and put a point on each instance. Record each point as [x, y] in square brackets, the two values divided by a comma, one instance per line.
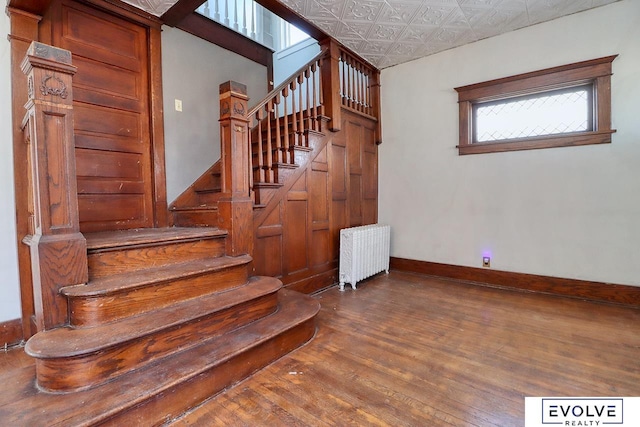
[299, 240]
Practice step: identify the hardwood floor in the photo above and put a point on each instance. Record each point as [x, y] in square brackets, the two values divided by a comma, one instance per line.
[409, 350]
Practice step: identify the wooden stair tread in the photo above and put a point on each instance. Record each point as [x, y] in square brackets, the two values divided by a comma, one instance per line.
[129, 391]
[136, 279]
[141, 236]
[194, 209]
[70, 342]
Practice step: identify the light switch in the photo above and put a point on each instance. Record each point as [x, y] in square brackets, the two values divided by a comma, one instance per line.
[178, 105]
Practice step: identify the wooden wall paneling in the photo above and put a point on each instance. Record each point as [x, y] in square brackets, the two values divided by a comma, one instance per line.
[268, 256]
[320, 206]
[23, 29]
[354, 136]
[296, 227]
[369, 174]
[339, 180]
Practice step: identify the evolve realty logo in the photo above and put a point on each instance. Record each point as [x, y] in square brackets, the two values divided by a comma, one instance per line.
[582, 412]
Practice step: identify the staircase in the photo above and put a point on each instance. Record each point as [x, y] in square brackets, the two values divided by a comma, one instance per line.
[166, 321]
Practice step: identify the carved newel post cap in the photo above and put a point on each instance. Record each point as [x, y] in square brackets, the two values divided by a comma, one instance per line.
[235, 87]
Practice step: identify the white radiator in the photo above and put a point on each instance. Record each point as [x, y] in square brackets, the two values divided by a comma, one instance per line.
[364, 251]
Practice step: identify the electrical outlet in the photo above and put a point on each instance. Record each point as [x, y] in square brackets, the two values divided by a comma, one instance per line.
[486, 261]
[178, 105]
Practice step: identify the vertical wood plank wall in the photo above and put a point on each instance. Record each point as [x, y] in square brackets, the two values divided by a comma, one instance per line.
[298, 241]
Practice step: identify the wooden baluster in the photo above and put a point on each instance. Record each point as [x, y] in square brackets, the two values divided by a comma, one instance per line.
[278, 141]
[314, 104]
[260, 156]
[285, 128]
[294, 115]
[307, 73]
[320, 88]
[301, 112]
[368, 94]
[269, 165]
[363, 104]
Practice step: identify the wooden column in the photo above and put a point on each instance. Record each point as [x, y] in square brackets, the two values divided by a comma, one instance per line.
[375, 103]
[330, 74]
[235, 208]
[58, 249]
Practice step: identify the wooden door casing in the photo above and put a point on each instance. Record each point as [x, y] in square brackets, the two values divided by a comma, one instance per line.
[113, 143]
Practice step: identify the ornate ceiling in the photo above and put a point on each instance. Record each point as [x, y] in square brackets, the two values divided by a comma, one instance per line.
[389, 32]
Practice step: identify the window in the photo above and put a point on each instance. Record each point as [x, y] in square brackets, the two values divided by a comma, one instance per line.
[557, 107]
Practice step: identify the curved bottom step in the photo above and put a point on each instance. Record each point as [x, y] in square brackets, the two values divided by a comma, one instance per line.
[164, 390]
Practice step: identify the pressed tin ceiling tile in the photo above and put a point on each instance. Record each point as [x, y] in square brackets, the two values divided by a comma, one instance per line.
[389, 32]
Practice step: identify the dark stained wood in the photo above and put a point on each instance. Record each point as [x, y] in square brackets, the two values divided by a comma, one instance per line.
[58, 250]
[409, 350]
[112, 120]
[158, 392]
[179, 11]
[114, 349]
[121, 295]
[24, 29]
[11, 333]
[206, 29]
[573, 288]
[597, 71]
[235, 208]
[330, 74]
[36, 7]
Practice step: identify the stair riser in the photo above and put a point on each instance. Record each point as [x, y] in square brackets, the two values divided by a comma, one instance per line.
[159, 409]
[209, 197]
[110, 262]
[84, 371]
[95, 310]
[195, 219]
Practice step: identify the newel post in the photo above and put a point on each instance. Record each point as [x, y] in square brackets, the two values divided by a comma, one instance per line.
[235, 207]
[58, 249]
[330, 74]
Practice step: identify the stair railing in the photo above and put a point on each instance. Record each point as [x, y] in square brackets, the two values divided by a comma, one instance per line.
[280, 123]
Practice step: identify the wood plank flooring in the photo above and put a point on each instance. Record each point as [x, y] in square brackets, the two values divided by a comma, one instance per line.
[409, 350]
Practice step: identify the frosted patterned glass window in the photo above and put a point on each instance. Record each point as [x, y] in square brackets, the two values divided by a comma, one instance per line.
[547, 113]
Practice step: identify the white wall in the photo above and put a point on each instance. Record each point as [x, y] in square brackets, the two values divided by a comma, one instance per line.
[192, 71]
[566, 212]
[9, 283]
[286, 61]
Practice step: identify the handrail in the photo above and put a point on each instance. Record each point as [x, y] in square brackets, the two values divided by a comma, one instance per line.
[286, 83]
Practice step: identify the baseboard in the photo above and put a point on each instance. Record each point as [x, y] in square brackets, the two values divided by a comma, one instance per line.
[10, 333]
[586, 290]
[315, 283]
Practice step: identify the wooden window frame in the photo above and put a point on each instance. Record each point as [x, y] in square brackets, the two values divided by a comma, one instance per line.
[596, 72]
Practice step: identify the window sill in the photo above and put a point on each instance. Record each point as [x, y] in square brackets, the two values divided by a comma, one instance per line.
[565, 140]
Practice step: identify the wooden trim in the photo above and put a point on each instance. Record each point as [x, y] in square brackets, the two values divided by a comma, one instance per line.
[585, 69]
[36, 7]
[572, 288]
[596, 72]
[11, 333]
[549, 141]
[156, 117]
[211, 31]
[179, 11]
